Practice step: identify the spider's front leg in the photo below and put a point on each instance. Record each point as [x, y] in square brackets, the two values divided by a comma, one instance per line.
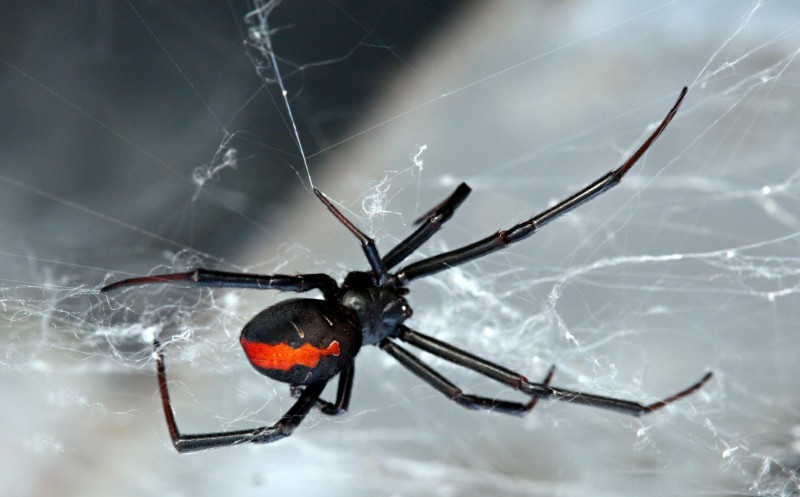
[523, 230]
[367, 243]
[430, 223]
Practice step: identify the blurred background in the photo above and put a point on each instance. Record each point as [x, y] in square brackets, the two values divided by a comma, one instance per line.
[149, 136]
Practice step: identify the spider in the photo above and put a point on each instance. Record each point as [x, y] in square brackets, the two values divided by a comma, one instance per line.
[307, 342]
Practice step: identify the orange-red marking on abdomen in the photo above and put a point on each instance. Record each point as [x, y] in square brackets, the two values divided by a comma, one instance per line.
[282, 356]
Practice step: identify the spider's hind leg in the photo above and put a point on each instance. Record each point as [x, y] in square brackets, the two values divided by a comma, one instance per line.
[284, 427]
[343, 390]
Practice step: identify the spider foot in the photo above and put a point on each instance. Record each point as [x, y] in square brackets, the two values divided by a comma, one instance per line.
[683, 393]
[532, 403]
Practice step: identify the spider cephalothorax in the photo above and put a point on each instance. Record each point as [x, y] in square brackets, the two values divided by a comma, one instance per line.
[380, 309]
[306, 342]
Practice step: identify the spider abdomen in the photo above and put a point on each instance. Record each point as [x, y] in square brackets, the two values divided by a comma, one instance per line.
[301, 341]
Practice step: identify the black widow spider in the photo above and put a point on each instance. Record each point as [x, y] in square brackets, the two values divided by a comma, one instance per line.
[306, 342]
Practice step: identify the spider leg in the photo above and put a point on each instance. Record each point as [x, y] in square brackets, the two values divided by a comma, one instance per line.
[190, 443]
[207, 277]
[525, 229]
[367, 243]
[536, 390]
[445, 386]
[546, 382]
[343, 390]
[430, 224]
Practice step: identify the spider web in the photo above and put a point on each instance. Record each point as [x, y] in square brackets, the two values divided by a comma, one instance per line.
[691, 264]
